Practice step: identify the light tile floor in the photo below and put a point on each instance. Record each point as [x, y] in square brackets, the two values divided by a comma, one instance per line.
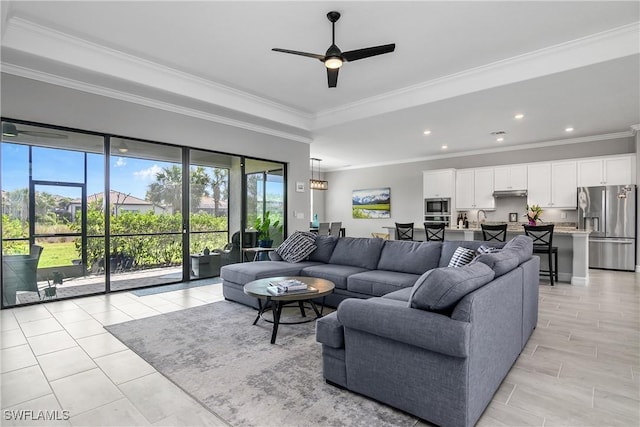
[581, 367]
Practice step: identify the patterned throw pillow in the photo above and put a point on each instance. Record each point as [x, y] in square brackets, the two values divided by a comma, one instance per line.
[462, 256]
[297, 247]
[484, 249]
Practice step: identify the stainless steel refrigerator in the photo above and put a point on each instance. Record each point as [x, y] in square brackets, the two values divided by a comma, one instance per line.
[609, 212]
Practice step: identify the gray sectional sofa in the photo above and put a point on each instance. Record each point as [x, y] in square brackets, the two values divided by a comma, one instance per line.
[359, 267]
[431, 340]
[426, 352]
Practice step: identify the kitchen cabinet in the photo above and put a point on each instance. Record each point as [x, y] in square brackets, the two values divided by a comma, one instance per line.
[605, 171]
[510, 178]
[438, 183]
[552, 184]
[474, 189]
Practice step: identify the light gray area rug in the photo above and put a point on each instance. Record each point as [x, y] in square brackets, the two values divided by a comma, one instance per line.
[215, 354]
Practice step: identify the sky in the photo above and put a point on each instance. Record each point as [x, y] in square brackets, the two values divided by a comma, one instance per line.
[128, 175]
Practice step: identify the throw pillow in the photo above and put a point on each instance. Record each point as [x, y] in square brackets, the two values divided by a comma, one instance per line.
[485, 249]
[297, 247]
[462, 256]
[442, 288]
[500, 262]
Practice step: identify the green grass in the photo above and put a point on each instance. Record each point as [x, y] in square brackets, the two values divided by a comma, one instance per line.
[57, 254]
[378, 207]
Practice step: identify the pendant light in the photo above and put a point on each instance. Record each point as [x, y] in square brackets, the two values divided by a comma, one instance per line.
[317, 184]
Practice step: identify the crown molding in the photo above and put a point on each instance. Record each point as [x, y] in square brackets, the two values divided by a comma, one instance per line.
[35, 39]
[528, 146]
[592, 49]
[147, 102]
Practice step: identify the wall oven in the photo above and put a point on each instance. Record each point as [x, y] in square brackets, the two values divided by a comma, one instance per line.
[437, 211]
[437, 206]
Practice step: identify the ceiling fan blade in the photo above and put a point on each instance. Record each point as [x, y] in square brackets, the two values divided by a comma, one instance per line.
[332, 76]
[295, 52]
[367, 52]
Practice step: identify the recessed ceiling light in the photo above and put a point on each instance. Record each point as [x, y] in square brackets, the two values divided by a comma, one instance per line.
[518, 116]
[444, 147]
[500, 139]
[427, 132]
[569, 129]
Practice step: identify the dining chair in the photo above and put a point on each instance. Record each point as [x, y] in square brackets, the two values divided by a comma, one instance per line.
[542, 236]
[404, 231]
[494, 232]
[323, 229]
[335, 228]
[434, 232]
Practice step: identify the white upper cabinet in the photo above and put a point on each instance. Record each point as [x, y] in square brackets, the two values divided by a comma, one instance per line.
[510, 178]
[474, 189]
[552, 184]
[606, 171]
[438, 183]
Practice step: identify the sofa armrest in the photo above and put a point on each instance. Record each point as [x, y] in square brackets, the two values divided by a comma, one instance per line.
[329, 331]
[395, 321]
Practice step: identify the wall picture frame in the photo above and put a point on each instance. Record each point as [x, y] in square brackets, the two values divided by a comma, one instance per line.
[372, 203]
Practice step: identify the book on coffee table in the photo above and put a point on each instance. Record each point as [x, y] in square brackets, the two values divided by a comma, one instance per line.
[276, 290]
[289, 285]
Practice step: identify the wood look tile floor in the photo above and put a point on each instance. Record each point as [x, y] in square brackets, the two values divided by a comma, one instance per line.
[581, 366]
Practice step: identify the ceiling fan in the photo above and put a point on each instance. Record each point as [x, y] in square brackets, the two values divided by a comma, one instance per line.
[9, 129]
[334, 58]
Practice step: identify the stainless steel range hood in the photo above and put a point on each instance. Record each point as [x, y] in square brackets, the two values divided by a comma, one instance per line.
[509, 193]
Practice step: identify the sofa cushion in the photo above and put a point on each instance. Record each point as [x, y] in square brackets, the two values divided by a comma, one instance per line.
[338, 274]
[409, 257]
[522, 247]
[357, 252]
[450, 246]
[245, 272]
[462, 256]
[380, 282]
[297, 247]
[500, 262]
[400, 295]
[325, 246]
[440, 289]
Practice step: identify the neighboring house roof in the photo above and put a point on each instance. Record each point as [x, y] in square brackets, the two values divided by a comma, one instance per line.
[208, 203]
[116, 197]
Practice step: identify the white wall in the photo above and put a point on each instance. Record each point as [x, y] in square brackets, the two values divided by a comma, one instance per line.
[405, 181]
[32, 100]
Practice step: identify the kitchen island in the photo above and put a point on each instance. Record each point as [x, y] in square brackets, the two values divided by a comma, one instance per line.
[572, 244]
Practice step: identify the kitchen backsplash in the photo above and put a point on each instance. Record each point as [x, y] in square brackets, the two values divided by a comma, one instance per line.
[507, 205]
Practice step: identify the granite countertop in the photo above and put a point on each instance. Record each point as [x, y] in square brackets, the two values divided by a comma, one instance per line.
[517, 228]
[560, 228]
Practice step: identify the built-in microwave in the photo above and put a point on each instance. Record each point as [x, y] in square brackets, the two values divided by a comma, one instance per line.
[437, 206]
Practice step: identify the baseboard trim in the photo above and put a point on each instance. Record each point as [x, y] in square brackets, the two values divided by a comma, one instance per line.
[579, 281]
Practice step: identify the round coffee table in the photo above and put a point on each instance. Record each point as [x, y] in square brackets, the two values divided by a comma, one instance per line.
[259, 290]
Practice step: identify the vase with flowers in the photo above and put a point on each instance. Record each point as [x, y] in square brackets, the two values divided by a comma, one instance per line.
[534, 212]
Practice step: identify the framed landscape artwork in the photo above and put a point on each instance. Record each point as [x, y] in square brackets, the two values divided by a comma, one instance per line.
[372, 203]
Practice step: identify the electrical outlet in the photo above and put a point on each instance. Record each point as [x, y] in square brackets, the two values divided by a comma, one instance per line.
[563, 215]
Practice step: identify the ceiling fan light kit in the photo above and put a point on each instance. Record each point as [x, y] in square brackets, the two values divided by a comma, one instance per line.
[334, 58]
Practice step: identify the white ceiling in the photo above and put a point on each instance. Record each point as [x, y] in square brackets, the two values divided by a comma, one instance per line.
[460, 69]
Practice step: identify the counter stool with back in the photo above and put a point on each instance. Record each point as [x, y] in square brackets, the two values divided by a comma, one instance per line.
[542, 236]
[494, 232]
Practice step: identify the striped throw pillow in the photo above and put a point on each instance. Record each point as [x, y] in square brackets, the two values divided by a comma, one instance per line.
[485, 249]
[297, 247]
[462, 256]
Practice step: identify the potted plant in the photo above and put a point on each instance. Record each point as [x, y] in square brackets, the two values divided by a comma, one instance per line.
[264, 227]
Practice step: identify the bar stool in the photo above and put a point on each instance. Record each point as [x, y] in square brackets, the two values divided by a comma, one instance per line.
[494, 232]
[542, 236]
[404, 231]
[434, 232]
